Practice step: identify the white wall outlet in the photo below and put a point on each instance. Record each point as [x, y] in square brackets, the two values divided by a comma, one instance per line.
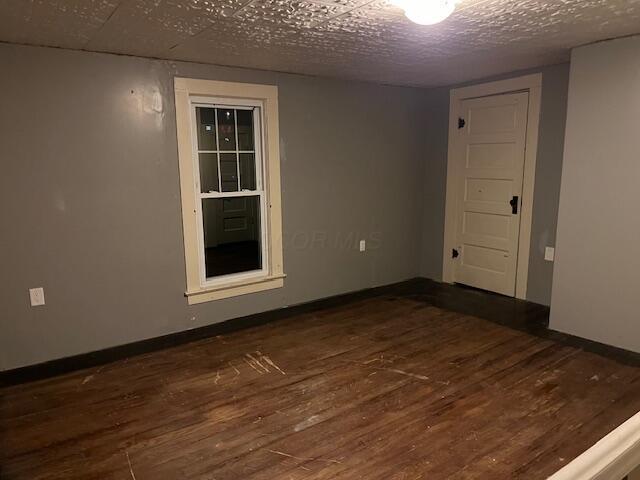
[549, 254]
[363, 245]
[37, 296]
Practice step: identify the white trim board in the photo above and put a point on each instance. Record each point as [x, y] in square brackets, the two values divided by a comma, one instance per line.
[613, 457]
[532, 84]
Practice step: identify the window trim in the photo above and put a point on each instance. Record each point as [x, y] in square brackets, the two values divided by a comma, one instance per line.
[189, 91]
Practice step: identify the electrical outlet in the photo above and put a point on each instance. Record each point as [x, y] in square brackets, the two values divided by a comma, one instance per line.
[549, 254]
[363, 245]
[37, 296]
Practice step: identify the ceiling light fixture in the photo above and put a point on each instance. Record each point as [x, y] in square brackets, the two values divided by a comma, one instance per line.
[426, 12]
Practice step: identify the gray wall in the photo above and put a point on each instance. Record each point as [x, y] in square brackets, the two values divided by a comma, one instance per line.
[595, 287]
[548, 168]
[90, 209]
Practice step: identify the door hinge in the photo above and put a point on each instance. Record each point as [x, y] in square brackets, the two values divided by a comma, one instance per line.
[454, 253]
[461, 123]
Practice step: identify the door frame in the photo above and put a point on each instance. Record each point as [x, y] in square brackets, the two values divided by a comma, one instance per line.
[533, 85]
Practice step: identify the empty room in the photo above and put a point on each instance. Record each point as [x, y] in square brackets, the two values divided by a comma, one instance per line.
[319, 239]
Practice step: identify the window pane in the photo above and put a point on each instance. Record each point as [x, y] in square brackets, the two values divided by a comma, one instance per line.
[206, 120]
[226, 129]
[245, 129]
[209, 173]
[247, 171]
[231, 235]
[229, 172]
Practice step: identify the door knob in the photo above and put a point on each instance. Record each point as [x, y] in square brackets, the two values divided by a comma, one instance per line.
[514, 204]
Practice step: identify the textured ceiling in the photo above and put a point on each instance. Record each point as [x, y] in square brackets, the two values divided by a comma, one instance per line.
[357, 39]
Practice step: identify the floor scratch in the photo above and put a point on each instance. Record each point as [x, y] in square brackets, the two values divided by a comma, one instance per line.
[133, 475]
[393, 370]
[304, 459]
[272, 363]
[250, 363]
[234, 367]
[257, 362]
[215, 382]
[408, 374]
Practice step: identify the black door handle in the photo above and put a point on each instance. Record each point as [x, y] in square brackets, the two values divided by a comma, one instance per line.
[514, 205]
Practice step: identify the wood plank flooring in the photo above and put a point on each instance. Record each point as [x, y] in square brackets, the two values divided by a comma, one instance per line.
[391, 387]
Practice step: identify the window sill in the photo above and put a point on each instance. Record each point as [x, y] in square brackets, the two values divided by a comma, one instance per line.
[235, 289]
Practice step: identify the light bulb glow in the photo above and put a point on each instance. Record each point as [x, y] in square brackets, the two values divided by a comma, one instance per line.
[426, 12]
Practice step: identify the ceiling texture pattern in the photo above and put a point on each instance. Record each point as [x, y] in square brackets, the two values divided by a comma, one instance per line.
[368, 40]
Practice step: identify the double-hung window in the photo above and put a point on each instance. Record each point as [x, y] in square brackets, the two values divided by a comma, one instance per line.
[230, 187]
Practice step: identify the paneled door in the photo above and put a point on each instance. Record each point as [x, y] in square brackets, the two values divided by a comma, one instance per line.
[490, 152]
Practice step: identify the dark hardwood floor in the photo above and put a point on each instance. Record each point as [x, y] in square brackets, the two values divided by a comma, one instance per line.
[404, 385]
[232, 257]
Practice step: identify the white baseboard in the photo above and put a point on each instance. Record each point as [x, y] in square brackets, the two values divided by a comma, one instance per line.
[612, 458]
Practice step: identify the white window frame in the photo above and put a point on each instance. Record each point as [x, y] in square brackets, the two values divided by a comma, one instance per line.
[236, 104]
[190, 93]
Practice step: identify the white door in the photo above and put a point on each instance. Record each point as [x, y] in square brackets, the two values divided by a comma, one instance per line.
[490, 151]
